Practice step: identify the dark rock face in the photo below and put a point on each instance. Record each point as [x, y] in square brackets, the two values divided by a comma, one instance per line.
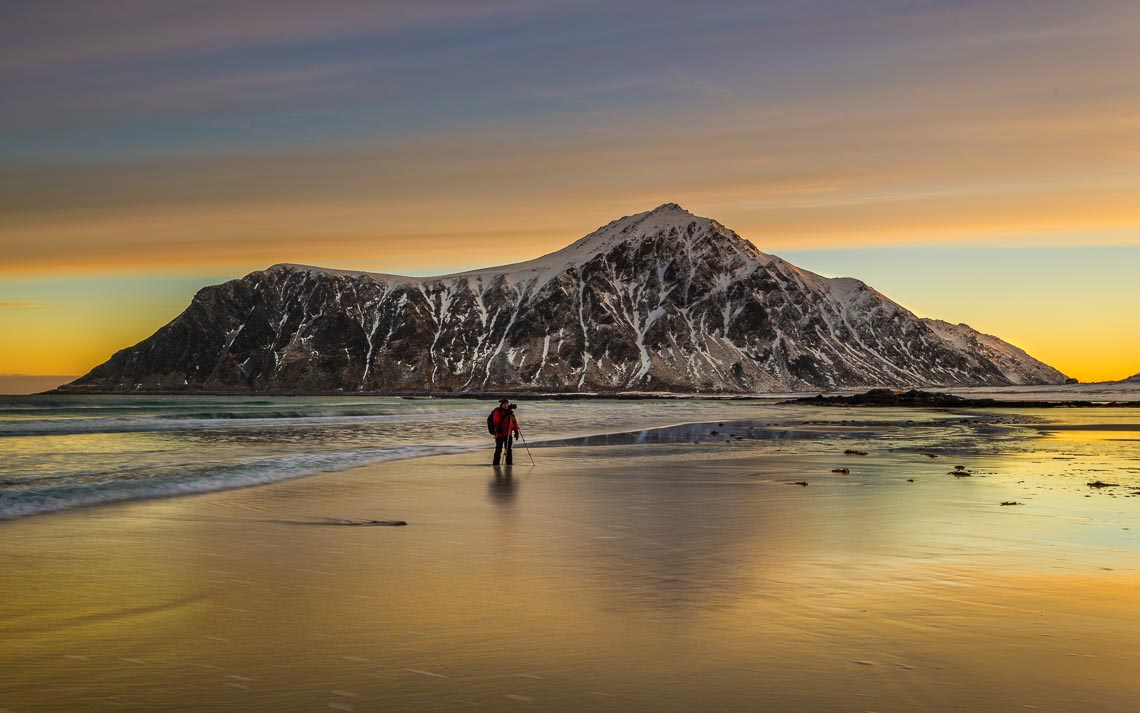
[659, 301]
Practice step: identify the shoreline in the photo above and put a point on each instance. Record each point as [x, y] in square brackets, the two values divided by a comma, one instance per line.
[351, 460]
[815, 397]
[172, 492]
[888, 398]
[576, 440]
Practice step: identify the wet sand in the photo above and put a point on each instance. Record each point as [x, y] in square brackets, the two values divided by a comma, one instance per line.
[638, 572]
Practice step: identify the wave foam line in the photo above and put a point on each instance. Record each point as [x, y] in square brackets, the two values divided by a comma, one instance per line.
[36, 501]
[78, 426]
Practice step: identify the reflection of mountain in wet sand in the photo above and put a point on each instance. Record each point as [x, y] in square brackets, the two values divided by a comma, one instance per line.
[636, 572]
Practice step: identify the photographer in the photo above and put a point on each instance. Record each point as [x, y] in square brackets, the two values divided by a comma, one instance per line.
[502, 425]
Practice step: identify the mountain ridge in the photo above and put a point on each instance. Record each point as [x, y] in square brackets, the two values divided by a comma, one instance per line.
[602, 238]
[656, 301]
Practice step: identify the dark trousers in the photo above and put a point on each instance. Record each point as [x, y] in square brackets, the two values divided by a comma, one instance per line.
[501, 441]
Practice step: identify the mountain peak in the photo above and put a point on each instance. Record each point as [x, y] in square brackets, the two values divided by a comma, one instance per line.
[666, 220]
[666, 215]
[663, 216]
[670, 208]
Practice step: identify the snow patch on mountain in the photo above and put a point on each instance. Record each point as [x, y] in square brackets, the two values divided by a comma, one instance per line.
[1014, 362]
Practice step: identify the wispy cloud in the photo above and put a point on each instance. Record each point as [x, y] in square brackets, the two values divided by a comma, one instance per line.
[76, 31]
[942, 169]
[20, 304]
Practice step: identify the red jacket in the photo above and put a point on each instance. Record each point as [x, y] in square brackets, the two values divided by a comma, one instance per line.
[505, 423]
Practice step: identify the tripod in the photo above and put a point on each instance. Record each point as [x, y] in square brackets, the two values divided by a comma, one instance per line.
[524, 443]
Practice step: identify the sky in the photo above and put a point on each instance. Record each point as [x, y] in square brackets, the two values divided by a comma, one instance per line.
[977, 162]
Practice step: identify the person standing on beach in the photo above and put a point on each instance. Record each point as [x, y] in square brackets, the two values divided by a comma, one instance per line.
[503, 425]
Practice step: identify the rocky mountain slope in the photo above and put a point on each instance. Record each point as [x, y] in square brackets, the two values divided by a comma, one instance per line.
[658, 301]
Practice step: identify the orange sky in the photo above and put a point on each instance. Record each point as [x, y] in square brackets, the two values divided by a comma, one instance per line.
[147, 153]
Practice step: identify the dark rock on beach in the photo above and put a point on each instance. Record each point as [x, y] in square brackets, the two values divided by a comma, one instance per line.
[915, 398]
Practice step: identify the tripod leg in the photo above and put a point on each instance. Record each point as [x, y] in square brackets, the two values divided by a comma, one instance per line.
[527, 447]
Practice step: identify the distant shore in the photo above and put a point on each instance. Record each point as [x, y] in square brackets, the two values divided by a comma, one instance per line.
[890, 398]
[1096, 395]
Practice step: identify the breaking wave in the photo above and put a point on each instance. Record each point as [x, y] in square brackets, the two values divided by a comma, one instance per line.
[32, 496]
[66, 452]
[182, 422]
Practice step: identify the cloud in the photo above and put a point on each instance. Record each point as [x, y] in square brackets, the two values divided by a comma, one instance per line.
[21, 305]
[798, 124]
[77, 31]
[783, 177]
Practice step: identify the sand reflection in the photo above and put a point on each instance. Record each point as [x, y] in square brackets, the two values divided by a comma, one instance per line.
[649, 573]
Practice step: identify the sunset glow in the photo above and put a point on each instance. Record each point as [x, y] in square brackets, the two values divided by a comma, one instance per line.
[977, 162]
[570, 355]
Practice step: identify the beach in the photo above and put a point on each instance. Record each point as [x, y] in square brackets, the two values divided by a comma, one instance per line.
[719, 565]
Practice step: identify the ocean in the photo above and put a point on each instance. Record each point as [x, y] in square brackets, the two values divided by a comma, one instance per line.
[62, 452]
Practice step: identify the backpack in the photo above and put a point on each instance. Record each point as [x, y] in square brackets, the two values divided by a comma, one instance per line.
[491, 422]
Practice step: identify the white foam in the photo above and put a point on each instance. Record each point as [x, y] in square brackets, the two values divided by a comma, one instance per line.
[33, 501]
[79, 426]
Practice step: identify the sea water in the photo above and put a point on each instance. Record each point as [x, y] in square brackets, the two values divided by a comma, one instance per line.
[67, 451]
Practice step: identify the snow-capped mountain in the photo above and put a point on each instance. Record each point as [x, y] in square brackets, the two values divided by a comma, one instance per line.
[1019, 367]
[658, 301]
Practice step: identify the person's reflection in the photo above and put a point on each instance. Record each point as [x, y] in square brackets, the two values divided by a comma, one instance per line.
[503, 486]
